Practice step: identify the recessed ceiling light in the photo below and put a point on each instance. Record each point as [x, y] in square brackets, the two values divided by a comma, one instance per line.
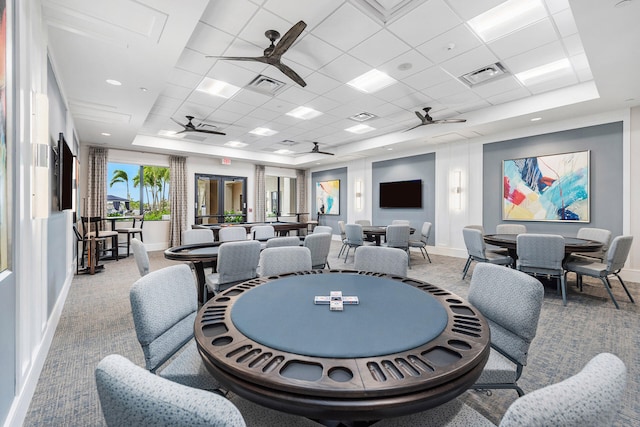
[372, 81]
[113, 82]
[361, 128]
[235, 144]
[389, 149]
[304, 113]
[405, 66]
[143, 89]
[506, 18]
[105, 134]
[263, 131]
[535, 119]
[544, 72]
[217, 88]
[283, 151]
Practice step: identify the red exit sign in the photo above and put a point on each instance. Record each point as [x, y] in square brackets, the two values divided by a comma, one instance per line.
[225, 161]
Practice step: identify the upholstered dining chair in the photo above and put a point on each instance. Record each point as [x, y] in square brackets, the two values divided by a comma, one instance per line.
[380, 259]
[511, 301]
[400, 222]
[276, 242]
[232, 233]
[397, 236]
[590, 398]
[237, 262]
[164, 304]
[616, 257]
[141, 256]
[323, 229]
[424, 238]
[477, 250]
[542, 254]
[285, 259]
[599, 235]
[192, 236]
[135, 229]
[354, 238]
[319, 244]
[363, 222]
[131, 396]
[511, 229]
[262, 232]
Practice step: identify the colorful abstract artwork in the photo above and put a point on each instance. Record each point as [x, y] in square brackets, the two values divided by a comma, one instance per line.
[328, 197]
[546, 188]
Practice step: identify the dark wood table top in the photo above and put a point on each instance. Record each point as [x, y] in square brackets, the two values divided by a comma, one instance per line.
[197, 254]
[347, 388]
[571, 244]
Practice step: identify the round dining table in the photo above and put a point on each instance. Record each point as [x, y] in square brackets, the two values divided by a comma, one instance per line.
[197, 254]
[571, 244]
[406, 346]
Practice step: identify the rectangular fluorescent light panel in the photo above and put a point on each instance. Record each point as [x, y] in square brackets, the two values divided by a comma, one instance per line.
[360, 129]
[372, 81]
[283, 151]
[506, 18]
[235, 144]
[304, 113]
[545, 72]
[217, 88]
[263, 131]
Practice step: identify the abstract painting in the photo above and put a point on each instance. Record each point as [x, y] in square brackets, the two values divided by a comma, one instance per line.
[328, 197]
[546, 188]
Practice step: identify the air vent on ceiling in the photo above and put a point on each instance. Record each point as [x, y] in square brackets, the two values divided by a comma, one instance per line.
[288, 143]
[363, 117]
[266, 85]
[484, 74]
[387, 10]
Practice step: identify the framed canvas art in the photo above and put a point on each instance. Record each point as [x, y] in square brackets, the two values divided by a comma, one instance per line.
[546, 188]
[328, 197]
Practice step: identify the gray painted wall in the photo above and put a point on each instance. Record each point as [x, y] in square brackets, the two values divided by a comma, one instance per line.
[8, 340]
[403, 169]
[605, 144]
[330, 220]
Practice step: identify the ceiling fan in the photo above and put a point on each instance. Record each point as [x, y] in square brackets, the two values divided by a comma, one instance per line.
[190, 127]
[426, 119]
[274, 52]
[316, 150]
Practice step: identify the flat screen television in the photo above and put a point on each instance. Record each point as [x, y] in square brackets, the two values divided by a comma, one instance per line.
[65, 174]
[401, 194]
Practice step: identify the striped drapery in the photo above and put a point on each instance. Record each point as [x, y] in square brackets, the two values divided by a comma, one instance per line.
[261, 189]
[177, 198]
[301, 196]
[97, 186]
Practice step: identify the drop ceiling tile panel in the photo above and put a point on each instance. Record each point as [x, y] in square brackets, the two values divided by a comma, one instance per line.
[530, 37]
[208, 40]
[509, 96]
[445, 89]
[232, 73]
[279, 106]
[581, 66]
[425, 22]
[560, 82]
[237, 107]
[346, 27]
[285, 120]
[473, 106]
[218, 14]
[264, 114]
[470, 9]
[312, 12]
[460, 99]
[427, 78]
[319, 83]
[166, 101]
[367, 102]
[555, 6]
[194, 62]
[449, 44]
[534, 58]
[312, 52]
[416, 100]
[495, 87]
[175, 91]
[379, 48]
[387, 109]
[184, 78]
[296, 95]
[202, 98]
[405, 65]
[565, 23]
[263, 21]
[251, 122]
[394, 92]
[322, 104]
[469, 61]
[573, 44]
[345, 68]
[190, 109]
[251, 98]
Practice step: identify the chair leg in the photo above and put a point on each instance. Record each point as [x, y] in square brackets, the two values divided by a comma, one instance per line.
[607, 285]
[345, 257]
[625, 287]
[427, 254]
[466, 268]
[563, 288]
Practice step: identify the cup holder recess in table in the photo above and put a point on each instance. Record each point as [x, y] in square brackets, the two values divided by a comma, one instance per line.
[340, 374]
[214, 329]
[460, 345]
[441, 356]
[222, 341]
[299, 370]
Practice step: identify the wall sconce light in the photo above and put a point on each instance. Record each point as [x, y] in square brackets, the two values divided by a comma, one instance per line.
[456, 197]
[359, 195]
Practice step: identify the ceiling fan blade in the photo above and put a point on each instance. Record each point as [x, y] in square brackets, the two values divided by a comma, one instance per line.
[287, 40]
[450, 121]
[213, 132]
[241, 58]
[324, 152]
[290, 73]
[177, 122]
[416, 126]
[420, 116]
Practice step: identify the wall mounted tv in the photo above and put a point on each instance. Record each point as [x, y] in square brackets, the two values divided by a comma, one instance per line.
[401, 194]
[65, 174]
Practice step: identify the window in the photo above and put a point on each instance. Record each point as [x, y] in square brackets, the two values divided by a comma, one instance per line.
[129, 184]
[281, 197]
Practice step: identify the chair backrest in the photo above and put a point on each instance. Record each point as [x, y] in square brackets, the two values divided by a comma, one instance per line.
[511, 301]
[319, 244]
[238, 261]
[400, 222]
[323, 229]
[397, 236]
[164, 304]
[511, 229]
[474, 242]
[354, 234]
[131, 396]
[91, 224]
[277, 242]
[286, 259]
[599, 235]
[197, 235]
[425, 232]
[541, 251]
[363, 222]
[618, 253]
[141, 256]
[343, 233]
[138, 221]
[476, 227]
[262, 232]
[232, 233]
[589, 398]
[380, 259]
